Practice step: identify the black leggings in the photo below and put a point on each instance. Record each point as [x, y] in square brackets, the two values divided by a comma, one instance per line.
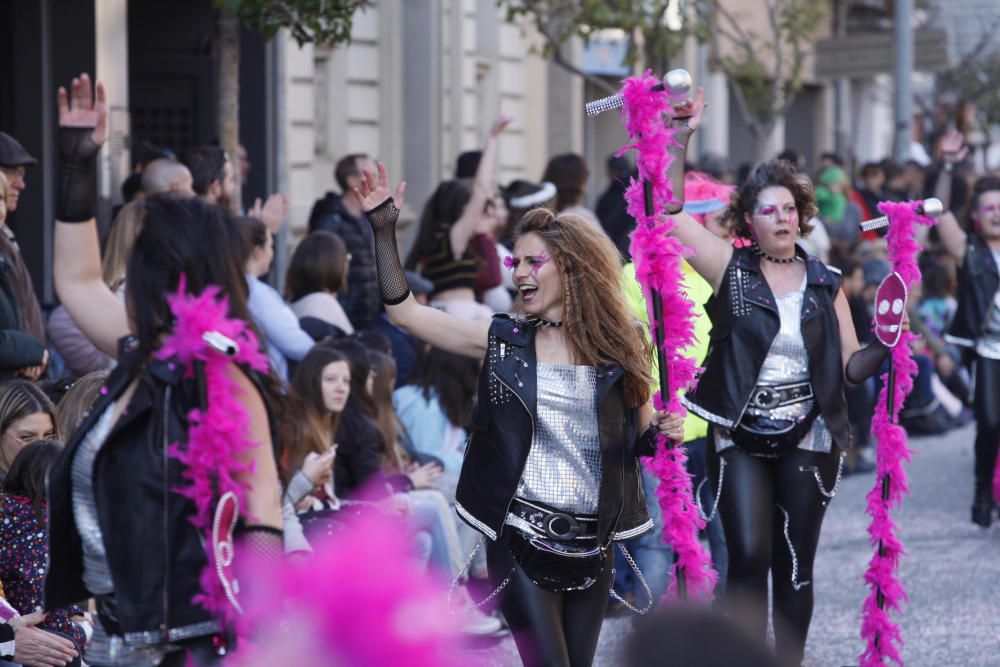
[985, 405]
[550, 629]
[772, 511]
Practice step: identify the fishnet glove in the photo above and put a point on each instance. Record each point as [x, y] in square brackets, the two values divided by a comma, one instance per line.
[263, 548]
[865, 362]
[391, 278]
[675, 172]
[77, 153]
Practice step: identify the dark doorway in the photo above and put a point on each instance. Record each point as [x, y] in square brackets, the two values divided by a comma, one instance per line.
[43, 44]
[173, 80]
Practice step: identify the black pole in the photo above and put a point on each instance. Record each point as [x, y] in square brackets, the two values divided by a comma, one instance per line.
[890, 405]
[661, 360]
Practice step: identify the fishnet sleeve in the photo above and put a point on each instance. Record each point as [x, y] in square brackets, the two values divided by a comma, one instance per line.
[263, 548]
[675, 172]
[391, 278]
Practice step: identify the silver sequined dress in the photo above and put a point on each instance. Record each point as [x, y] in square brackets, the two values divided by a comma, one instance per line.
[787, 361]
[563, 468]
[96, 575]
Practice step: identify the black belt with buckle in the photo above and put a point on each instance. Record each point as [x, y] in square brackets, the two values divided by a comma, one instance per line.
[550, 522]
[768, 397]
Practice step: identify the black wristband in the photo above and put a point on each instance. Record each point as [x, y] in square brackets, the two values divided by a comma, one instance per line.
[77, 157]
[645, 444]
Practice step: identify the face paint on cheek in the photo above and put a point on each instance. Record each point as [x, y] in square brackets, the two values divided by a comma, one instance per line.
[540, 262]
[508, 261]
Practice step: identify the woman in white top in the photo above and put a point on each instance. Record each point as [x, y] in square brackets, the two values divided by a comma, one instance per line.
[316, 274]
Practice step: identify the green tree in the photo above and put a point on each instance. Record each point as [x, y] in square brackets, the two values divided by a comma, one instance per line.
[326, 22]
[975, 79]
[764, 71]
[643, 23]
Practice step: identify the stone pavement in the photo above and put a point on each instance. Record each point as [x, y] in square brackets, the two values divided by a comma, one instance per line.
[952, 572]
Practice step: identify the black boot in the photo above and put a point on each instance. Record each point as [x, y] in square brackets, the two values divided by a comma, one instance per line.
[982, 507]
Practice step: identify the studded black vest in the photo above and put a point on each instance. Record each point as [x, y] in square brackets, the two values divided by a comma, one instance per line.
[745, 321]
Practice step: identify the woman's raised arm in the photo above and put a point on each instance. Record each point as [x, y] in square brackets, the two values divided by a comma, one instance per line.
[83, 125]
[712, 254]
[381, 206]
[470, 223]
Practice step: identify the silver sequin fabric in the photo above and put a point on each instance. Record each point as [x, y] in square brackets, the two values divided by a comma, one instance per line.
[96, 575]
[787, 361]
[564, 464]
[988, 345]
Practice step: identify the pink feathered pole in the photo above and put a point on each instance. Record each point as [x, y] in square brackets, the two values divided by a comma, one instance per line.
[219, 435]
[887, 594]
[657, 257]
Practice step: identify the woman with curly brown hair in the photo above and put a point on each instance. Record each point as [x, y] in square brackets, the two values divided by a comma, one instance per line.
[782, 347]
[551, 474]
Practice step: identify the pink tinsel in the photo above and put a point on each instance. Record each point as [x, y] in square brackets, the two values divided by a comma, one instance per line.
[211, 455]
[657, 257]
[361, 599]
[881, 633]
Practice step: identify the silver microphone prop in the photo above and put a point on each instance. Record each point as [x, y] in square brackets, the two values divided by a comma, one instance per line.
[677, 81]
[932, 208]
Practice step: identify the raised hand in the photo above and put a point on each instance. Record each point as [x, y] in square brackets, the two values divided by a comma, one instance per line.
[81, 108]
[692, 109]
[375, 190]
[272, 212]
[500, 123]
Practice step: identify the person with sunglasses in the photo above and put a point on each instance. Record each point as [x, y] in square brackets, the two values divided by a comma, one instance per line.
[781, 350]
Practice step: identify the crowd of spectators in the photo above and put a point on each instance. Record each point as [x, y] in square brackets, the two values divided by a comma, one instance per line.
[381, 421]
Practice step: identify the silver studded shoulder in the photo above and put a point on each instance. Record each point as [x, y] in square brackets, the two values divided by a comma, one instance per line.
[497, 351]
[739, 283]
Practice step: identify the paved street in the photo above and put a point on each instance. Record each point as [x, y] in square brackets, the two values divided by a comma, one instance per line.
[952, 572]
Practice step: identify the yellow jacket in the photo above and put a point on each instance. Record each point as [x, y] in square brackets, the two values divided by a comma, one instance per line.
[698, 291]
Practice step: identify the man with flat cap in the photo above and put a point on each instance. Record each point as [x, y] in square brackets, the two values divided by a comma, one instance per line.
[21, 311]
[13, 162]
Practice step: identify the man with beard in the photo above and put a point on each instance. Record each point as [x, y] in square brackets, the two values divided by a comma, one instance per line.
[214, 178]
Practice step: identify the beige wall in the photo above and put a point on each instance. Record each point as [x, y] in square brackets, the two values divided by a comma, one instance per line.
[348, 99]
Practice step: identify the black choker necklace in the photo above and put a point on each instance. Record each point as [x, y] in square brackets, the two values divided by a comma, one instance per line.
[534, 320]
[777, 260]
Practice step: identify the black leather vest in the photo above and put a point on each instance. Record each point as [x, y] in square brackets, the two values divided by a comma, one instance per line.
[745, 321]
[978, 281]
[503, 423]
[155, 555]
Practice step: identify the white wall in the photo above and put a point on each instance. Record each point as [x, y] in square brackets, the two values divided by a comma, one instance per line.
[350, 99]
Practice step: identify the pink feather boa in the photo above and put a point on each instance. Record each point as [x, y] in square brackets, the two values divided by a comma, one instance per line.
[361, 599]
[216, 438]
[882, 634]
[657, 257]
